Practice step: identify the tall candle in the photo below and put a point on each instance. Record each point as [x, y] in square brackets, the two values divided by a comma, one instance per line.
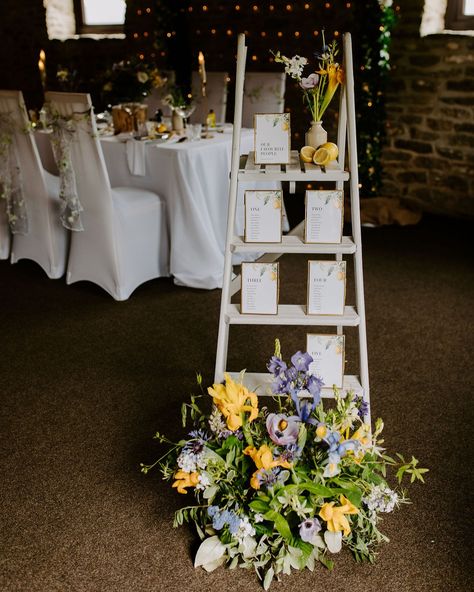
[202, 72]
[42, 67]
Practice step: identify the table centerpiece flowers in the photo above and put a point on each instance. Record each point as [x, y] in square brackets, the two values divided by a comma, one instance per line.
[283, 489]
[130, 81]
[319, 87]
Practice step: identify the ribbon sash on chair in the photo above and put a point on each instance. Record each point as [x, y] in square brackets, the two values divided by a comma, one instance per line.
[11, 187]
[63, 130]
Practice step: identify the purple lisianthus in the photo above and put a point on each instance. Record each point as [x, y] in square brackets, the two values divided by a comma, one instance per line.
[301, 361]
[310, 82]
[283, 430]
[276, 366]
[309, 528]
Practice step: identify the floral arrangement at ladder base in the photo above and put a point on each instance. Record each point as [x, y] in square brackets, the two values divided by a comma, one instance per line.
[285, 489]
[318, 88]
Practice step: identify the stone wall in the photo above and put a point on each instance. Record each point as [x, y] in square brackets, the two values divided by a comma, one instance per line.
[429, 158]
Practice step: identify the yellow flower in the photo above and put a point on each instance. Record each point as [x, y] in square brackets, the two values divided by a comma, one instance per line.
[363, 436]
[184, 480]
[264, 461]
[233, 400]
[335, 515]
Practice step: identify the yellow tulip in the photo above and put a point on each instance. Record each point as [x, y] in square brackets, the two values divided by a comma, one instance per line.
[264, 461]
[184, 480]
[335, 516]
[233, 400]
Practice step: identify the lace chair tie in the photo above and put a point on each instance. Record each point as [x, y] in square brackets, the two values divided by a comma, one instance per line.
[63, 131]
[11, 186]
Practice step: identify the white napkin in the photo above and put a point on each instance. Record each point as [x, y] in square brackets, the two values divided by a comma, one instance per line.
[136, 157]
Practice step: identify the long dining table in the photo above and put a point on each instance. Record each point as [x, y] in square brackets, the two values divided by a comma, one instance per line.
[192, 177]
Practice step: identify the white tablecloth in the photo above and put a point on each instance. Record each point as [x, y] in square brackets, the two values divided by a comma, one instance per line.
[193, 180]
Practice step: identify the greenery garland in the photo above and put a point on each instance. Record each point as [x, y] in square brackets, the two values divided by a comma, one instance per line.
[372, 49]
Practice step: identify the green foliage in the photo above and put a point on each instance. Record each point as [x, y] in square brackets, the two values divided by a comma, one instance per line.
[266, 505]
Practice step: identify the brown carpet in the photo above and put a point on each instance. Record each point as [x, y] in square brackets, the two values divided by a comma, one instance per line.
[86, 381]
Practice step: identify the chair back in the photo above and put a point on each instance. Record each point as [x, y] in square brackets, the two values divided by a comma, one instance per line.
[31, 170]
[46, 239]
[216, 96]
[264, 92]
[95, 246]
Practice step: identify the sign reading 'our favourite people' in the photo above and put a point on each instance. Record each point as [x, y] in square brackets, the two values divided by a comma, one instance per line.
[272, 138]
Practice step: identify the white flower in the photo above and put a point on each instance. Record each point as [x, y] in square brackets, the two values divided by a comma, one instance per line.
[381, 499]
[294, 67]
[258, 518]
[204, 481]
[245, 529]
[190, 462]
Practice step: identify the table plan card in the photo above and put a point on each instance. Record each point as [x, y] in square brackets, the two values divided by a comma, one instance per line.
[324, 216]
[263, 220]
[327, 352]
[259, 291]
[272, 138]
[326, 287]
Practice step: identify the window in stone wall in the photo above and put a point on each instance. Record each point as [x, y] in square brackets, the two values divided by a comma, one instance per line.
[459, 15]
[454, 17]
[106, 16]
[72, 19]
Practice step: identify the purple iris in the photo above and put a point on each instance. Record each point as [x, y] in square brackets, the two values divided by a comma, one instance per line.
[304, 407]
[309, 528]
[313, 385]
[276, 366]
[339, 449]
[301, 361]
[283, 430]
[310, 82]
[362, 405]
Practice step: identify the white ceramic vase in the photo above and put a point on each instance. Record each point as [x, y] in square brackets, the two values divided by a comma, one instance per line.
[316, 135]
[177, 122]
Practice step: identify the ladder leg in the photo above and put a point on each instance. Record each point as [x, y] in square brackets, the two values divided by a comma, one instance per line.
[355, 214]
[223, 337]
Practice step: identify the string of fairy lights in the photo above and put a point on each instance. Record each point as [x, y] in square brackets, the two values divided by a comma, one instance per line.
[292, 27]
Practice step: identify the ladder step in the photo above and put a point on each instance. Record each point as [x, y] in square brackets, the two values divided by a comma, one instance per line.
[292, 314]
[294, 244]
[260, 382]
[295, 170]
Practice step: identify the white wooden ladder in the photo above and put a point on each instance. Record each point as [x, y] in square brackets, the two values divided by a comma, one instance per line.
[243, 168]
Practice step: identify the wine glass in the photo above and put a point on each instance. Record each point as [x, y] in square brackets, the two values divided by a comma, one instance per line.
[185, 111]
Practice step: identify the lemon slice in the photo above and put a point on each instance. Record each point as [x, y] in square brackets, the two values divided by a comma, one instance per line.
[332, 149]
[322, 157]
[307, 153]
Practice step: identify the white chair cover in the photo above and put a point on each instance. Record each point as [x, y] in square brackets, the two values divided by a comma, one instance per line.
[125, 238]
[264, 92]
[216, 93]
[5, 238]
[46, 240]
